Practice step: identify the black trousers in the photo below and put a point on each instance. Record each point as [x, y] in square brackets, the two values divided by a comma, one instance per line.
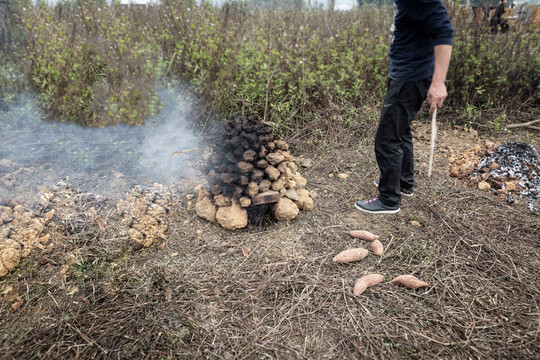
[393, 141]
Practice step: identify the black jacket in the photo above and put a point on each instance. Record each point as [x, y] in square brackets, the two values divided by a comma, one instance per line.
[419, 25]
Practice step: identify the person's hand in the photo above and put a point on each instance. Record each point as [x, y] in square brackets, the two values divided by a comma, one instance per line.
[436, 95]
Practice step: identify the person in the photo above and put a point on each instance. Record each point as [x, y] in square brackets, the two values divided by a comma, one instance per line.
[420, 51]
[497, 22]
[477, 10]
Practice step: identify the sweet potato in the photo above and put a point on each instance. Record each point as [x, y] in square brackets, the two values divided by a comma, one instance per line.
[377, 248]
[410, 281]
[366, 281]
[351, 255]
[363, 234]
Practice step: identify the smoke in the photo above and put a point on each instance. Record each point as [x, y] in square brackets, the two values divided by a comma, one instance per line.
[166, 146]
[36, 153]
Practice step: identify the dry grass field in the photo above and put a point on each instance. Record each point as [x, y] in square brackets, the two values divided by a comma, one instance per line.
[271, 290]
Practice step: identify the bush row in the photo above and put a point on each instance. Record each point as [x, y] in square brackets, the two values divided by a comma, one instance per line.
[99, 65]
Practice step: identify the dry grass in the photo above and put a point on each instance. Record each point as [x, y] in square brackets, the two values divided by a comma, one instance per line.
[202, 297]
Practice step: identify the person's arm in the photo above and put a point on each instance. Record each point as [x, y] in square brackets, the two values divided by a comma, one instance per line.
[437, 91]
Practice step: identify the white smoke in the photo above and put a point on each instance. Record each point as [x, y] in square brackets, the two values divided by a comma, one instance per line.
[35, 153]
[162, 152]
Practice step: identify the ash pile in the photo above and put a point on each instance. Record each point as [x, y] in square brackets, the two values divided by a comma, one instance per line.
[250, 171]
[507, 169]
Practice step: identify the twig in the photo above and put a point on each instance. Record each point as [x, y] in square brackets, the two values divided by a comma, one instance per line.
[87, 338]
[528, 125]
[269, 76]
[184, 151]
[170, 63]
[427, 337]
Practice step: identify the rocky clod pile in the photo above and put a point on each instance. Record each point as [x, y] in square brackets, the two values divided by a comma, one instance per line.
[62, 211]
[506, 169]
[250, 167]
[20, 232]
[144, 214]
[59, 211]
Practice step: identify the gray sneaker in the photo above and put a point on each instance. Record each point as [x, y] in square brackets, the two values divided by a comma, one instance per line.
[375, 206]
[404, 192]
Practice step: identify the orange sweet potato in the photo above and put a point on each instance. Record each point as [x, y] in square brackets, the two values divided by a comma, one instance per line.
[363, 234]
[377, 247]
[366, 281]
[410, 281]
[351, 255]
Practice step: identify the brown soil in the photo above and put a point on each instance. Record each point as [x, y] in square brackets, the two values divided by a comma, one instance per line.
[272, 290]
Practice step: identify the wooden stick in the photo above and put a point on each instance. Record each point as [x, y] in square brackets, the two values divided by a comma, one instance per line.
[433, 137]
[184, 151]
[528, 125]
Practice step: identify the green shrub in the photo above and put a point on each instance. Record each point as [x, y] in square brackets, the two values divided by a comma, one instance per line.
[278, 64]
[298, 68]
[494, 71]
[87, 66]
